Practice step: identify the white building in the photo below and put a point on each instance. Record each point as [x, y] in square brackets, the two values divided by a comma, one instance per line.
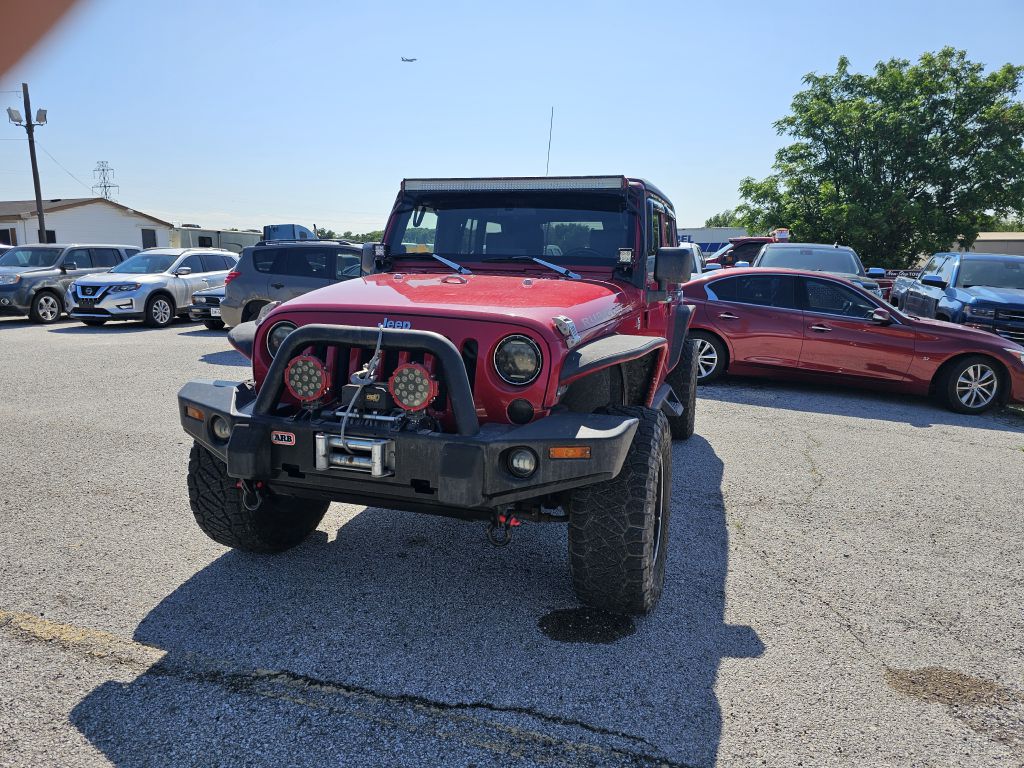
[81, 220]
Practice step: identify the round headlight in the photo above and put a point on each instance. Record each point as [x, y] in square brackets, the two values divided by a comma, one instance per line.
[517, 360]
[277, 335]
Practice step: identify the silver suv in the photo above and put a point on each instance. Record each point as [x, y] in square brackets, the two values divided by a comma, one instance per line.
[281, 270]
[35, 278]
[154, 286]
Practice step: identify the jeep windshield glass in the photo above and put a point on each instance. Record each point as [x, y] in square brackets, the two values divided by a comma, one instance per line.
[814, 259]
[562, 229]
[991, 273]
[145, 264]
[30, 257]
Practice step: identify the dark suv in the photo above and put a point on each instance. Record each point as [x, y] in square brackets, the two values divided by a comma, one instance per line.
[278, 270]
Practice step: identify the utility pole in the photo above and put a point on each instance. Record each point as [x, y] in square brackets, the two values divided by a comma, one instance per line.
[29, 126]
[105, 184]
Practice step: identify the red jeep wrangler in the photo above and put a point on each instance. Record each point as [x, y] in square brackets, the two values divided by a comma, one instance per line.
[516, 350]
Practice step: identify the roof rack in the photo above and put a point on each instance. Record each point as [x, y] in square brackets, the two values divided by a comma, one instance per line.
[308, 240]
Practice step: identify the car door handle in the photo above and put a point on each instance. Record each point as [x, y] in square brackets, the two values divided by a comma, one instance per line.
[728, 316]
[277, 285]
[821, 328]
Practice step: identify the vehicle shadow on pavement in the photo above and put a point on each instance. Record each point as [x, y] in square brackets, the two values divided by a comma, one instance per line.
[119, 326]
[858, 403]
[225, 357]
[407, 640]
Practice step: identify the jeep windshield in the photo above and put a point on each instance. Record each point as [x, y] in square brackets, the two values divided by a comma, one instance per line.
[816, 259]
[991, 273]
[30, 257]
[145, 264]
[585, 230]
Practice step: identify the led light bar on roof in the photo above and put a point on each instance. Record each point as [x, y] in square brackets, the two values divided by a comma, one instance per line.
[515, 184]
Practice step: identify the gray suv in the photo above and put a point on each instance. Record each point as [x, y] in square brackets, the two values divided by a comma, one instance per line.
[34, 278]
[155, 286]
[278, 270]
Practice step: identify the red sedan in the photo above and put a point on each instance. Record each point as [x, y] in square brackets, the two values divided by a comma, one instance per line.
[793, 324]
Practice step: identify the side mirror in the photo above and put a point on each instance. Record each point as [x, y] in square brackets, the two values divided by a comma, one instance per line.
[183, 271]
[69, 265]
[369, 256]
[673, 265]
[742, 264]
[712, 267]
[881, 317]
[933, 280]
[876, 272]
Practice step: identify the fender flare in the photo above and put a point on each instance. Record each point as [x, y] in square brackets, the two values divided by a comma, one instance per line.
[608, 351]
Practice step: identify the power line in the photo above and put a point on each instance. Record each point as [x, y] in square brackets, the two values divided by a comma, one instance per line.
[69, 173]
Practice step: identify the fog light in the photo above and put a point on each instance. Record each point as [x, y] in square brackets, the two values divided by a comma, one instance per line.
[412, 387]
[306, 378]
[5, 302]
[220, 427]
[522, 462]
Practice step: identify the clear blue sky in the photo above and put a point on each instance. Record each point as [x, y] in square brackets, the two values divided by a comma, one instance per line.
[244, 113]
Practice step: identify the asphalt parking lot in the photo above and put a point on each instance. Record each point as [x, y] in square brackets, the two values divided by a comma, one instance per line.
[843, 589]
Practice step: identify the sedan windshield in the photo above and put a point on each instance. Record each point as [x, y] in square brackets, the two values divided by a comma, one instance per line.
[991, 273]
[562, 229]
[30, 257]
[839, 260]
[145, 264]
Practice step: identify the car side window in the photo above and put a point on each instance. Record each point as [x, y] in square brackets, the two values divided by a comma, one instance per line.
[80, 257]
[212, 262]
[946, 270]
[129, 252]
[346, 265]
[105, 257]
[830, 298]
[761, 290]
[193, 262]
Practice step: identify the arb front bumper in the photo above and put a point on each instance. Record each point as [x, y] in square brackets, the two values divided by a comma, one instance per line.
[387, 462]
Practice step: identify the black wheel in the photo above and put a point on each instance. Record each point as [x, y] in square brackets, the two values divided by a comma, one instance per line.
[683, 379]
[618, 529]
[93, 321]
[712, 356]
[46, 307]
[972, 384]
[277, 524]
[159, 311]
[214, 325]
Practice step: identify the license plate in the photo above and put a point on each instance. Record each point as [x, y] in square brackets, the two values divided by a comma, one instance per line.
[215, 312]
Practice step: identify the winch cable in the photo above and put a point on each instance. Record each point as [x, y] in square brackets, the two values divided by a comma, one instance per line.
[363, 377]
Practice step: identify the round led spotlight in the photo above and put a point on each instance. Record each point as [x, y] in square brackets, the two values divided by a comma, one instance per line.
[517, 360]
[522, 462]
[277, 336]
[412, 387]
[306, 378]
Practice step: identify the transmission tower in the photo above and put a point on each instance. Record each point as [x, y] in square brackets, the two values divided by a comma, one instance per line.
[104, 175]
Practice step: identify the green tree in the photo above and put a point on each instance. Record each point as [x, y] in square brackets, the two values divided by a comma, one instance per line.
[326, 234]
[901, 162]
[727, 218]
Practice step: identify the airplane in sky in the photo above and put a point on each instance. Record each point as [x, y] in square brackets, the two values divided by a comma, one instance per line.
[407, 60]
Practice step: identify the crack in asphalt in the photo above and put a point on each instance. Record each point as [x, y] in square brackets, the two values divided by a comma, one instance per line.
[302, 690]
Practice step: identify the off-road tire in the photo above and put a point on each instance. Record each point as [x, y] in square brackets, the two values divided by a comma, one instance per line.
[279, 523]
[946, 383]
[41, 310]
[721, 355]
[617, 548]
[683, 380]
[214, 325]
[93, 322]
[163, 320]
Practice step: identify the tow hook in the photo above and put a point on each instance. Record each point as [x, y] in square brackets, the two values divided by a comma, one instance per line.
[499, 532]
[252, 494]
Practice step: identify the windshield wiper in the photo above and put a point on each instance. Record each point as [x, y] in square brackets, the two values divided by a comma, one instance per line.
[560, 270]
[447, 262]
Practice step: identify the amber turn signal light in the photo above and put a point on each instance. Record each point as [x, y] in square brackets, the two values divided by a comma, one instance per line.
[194, 413]
[569, 452]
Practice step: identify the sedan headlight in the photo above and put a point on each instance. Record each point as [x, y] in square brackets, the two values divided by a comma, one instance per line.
[9, 279]
[277, 336]
[125, 287]
[517, 359]
[980, 312]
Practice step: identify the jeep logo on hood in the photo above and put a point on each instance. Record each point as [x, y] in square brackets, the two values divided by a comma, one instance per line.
[405, 325]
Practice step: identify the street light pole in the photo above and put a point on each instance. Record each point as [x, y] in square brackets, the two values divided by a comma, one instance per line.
[30, 129]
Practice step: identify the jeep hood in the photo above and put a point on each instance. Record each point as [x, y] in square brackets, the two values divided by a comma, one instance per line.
[1009, 297]
[404, 296]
